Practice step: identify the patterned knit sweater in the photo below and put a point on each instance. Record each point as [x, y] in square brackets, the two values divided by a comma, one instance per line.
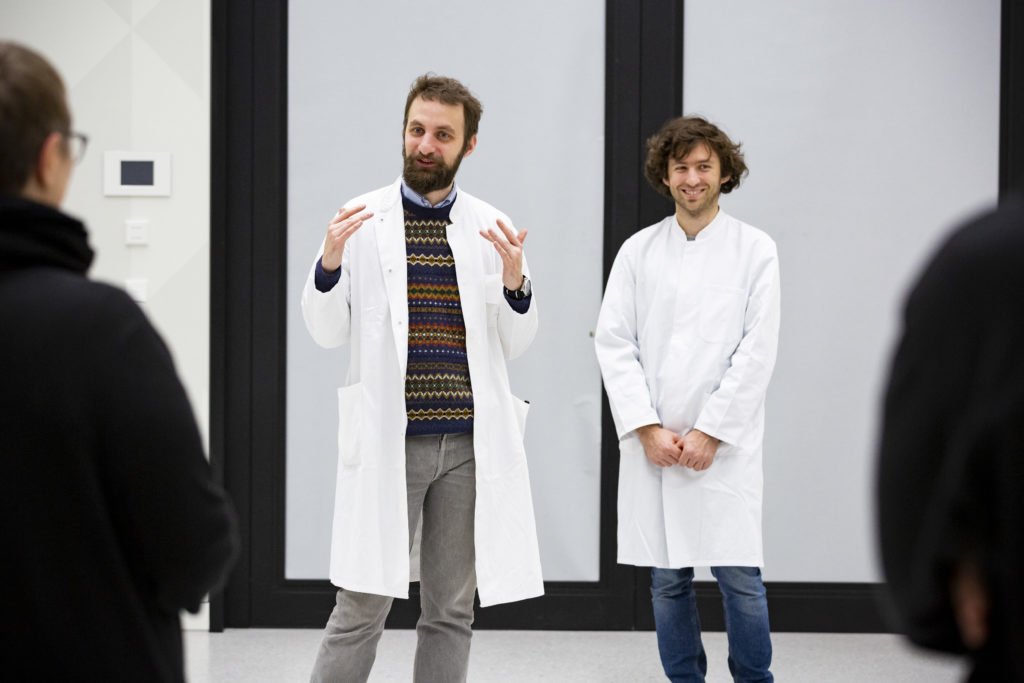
[438, 392]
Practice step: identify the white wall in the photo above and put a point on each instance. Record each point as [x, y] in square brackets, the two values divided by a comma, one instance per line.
[138, 76]
[870, 128]
[538, 68]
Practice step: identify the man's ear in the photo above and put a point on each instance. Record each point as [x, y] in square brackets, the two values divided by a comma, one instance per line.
[44, 175]
[470, 147]
[51, 156]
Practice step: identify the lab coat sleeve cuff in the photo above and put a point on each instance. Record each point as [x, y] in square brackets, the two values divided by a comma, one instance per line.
[703, 426]
[627, 424]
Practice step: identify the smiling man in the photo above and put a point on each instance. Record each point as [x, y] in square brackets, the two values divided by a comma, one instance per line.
[429, 285]
[686, 340]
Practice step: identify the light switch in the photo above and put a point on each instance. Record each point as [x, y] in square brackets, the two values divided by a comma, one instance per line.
[136, 232]
[136, 288]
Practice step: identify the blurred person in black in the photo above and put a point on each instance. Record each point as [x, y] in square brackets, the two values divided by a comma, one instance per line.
[110, 522]
[951, 467]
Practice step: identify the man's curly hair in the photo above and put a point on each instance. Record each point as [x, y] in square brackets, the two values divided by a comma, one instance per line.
[678, 137]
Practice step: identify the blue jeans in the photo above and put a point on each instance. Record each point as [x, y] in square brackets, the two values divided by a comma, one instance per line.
[678, 625]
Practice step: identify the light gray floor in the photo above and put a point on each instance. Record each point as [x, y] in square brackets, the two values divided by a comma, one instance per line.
[281, 656]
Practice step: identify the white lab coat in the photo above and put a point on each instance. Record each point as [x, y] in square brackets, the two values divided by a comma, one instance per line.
[369, 308]
[686, 338]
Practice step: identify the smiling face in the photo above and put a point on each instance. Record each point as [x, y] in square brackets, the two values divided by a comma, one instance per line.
[435, 145]
[695, 182]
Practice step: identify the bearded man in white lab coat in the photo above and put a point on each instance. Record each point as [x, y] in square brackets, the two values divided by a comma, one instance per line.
[429, 285]
[686, 340]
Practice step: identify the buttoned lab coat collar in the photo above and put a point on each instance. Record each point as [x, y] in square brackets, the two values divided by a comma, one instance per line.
[707, 233]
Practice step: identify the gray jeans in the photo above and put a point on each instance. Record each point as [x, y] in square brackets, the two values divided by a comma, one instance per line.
[441, 481]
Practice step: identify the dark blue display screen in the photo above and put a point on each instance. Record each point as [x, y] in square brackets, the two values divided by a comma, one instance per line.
[136, 172]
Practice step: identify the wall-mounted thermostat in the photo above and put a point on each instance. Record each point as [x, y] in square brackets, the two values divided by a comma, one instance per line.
[135, 174]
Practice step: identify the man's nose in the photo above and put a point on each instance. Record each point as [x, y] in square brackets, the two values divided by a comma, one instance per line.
[428, 145]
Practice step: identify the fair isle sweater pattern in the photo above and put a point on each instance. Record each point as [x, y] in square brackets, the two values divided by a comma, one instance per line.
[438, 392]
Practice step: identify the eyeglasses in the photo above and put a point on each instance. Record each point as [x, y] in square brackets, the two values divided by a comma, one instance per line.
[77, 143]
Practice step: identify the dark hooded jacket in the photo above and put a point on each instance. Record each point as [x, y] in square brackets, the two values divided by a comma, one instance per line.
[951, 468]
[109, 520]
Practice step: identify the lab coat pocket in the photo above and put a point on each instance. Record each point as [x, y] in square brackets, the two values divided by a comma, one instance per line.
[350, 419]
[373, 321]
[721, 314]
[502, 450]
[522, 408]
[494, 297]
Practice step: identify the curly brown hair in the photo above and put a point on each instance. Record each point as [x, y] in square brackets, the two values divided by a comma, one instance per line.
[432, 87]
[678, 137]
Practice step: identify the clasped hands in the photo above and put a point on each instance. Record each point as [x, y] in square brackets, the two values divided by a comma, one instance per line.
[665, 448]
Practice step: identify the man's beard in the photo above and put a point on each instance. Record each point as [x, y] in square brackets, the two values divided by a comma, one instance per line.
[424, 180]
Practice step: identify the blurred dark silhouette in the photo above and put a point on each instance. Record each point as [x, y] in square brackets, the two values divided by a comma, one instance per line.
[110, 522]
[951, 467]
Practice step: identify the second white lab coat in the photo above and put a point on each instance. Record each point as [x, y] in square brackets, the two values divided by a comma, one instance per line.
[687, 338]
[369, 307]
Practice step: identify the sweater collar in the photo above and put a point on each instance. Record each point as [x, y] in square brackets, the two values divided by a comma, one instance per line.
[34, 235]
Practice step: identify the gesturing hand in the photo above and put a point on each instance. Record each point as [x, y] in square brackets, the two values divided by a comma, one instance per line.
[660, 445]
[341, 227]
[510, 247]
[698, 450]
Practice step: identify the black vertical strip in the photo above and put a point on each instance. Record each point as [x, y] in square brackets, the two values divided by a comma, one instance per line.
[231, 267]
[644, 86]
[218, 302]
[268, 303]
[623, 49]
[621, 218]
[622, 128]
[247, 298]
[1011, 100]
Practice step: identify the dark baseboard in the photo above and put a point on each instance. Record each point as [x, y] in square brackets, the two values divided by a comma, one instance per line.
[564, 607]
[799, 607]
[794, 607]
[826, 607]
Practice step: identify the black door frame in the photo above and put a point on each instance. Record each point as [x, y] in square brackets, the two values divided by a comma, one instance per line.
[644, 77]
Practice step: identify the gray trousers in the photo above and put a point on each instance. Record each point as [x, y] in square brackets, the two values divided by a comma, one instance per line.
[441, 481]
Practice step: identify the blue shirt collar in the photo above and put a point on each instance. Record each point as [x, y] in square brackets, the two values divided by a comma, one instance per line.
[417, 198]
